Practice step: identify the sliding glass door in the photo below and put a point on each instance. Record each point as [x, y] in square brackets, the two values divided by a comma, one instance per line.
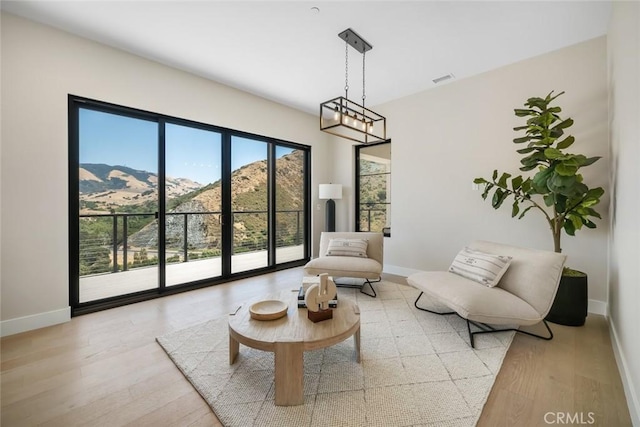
[193, 194]
[160, 203]
[117, 197]
[249, 204]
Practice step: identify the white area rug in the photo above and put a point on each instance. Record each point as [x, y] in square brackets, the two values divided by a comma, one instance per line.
[417, 369]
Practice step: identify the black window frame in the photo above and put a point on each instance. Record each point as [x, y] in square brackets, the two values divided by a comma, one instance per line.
[75, 103]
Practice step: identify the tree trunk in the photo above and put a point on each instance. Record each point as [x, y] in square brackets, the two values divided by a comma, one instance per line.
[556, 240]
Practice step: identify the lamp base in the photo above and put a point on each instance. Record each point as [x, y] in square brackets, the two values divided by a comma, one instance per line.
[330, 216]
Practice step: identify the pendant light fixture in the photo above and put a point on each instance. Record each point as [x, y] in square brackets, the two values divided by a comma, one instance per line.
[345, 118]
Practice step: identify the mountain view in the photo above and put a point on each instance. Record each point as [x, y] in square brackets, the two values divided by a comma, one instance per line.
[106, 189]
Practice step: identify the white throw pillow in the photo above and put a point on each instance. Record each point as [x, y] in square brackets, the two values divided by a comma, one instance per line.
[480, 267]
[348, 247]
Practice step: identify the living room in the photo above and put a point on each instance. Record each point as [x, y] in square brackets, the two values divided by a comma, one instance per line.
[442, 138]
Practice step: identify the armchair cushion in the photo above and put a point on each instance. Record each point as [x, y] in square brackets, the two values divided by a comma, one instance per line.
[347, 247]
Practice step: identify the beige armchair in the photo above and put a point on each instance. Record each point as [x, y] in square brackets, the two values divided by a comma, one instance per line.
[523, 295]
[368, 268]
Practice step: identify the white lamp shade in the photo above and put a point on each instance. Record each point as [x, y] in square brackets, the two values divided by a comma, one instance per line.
[330, 191]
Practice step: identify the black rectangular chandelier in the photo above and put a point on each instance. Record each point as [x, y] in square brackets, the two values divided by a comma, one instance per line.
[348, 119]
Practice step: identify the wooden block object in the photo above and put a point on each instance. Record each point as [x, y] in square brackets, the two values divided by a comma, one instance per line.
[320, 315]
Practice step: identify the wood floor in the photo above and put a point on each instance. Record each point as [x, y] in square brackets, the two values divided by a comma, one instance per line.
[105, 369]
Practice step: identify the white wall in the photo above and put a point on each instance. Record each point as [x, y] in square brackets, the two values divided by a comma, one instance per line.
[40, 67]
[624, 270]
[445, 137]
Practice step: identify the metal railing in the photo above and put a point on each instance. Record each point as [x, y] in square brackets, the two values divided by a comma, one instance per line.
[109, 242]
[370, 214]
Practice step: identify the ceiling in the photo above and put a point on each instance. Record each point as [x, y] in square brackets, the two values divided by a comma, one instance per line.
[290, 53]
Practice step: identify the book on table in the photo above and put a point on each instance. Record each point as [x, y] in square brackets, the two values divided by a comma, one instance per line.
[332, 303]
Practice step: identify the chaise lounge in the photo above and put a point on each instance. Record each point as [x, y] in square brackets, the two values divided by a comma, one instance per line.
[520, 293]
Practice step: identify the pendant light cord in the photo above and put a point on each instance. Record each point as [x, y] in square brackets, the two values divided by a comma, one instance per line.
[364, 96]
[346, 70]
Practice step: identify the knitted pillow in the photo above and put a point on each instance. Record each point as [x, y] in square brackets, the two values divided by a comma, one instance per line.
[348, 247]
[481, 267]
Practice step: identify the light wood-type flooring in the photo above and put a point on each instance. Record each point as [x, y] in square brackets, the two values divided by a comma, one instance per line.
[105, 369]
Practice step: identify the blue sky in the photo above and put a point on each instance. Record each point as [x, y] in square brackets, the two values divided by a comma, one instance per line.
[190, 153]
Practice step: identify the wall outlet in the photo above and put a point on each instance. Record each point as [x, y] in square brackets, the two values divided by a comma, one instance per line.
[475, 186]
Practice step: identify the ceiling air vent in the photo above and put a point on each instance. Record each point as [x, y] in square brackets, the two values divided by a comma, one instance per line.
[443, 78]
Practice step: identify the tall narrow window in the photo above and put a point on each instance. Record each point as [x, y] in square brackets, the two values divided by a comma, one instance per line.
[289, 188]
[373, 164]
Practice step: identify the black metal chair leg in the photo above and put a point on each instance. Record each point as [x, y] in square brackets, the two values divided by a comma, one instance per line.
[430, 311]
[368, 282]
[492, 330]
[484, 328]
[373, 293]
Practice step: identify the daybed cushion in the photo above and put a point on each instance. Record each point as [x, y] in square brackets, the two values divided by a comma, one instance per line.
[481, 267]
[533, 275]
[339, 266]
[474, 301]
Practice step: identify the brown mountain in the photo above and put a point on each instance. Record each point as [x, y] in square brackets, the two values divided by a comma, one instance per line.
[249, 195]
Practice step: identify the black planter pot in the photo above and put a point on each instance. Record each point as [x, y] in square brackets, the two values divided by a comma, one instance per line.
[570, 306]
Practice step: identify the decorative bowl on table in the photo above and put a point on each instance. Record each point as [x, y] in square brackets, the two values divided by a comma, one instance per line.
[268, 310]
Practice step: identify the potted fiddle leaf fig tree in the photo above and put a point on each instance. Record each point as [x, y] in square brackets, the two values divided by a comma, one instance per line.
[557, 190]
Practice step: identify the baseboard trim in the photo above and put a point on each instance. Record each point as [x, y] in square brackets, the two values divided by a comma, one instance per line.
[399, 271]
[35, 321]
[629, 389]
[597, 307]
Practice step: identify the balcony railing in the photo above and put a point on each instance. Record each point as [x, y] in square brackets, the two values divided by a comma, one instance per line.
[107, 247]
[372, 213]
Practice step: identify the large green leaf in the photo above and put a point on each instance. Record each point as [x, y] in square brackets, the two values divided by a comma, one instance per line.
[516, 182]
[595, 193]
[565, 143]
[569, 228]
[515, 208]
[487, 188]
[534, 159]
[502, 182]
[562, 184]
[566, 170]
[539, 182]
[552, 153]
[549, 200]
[498, 197]
[522, 139]
[563, 124]
[526, 150]
[591, 160]
[522, 113]
[528, 167]
[561, 203]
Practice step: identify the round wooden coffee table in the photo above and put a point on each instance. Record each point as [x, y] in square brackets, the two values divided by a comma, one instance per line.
[289, 337]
